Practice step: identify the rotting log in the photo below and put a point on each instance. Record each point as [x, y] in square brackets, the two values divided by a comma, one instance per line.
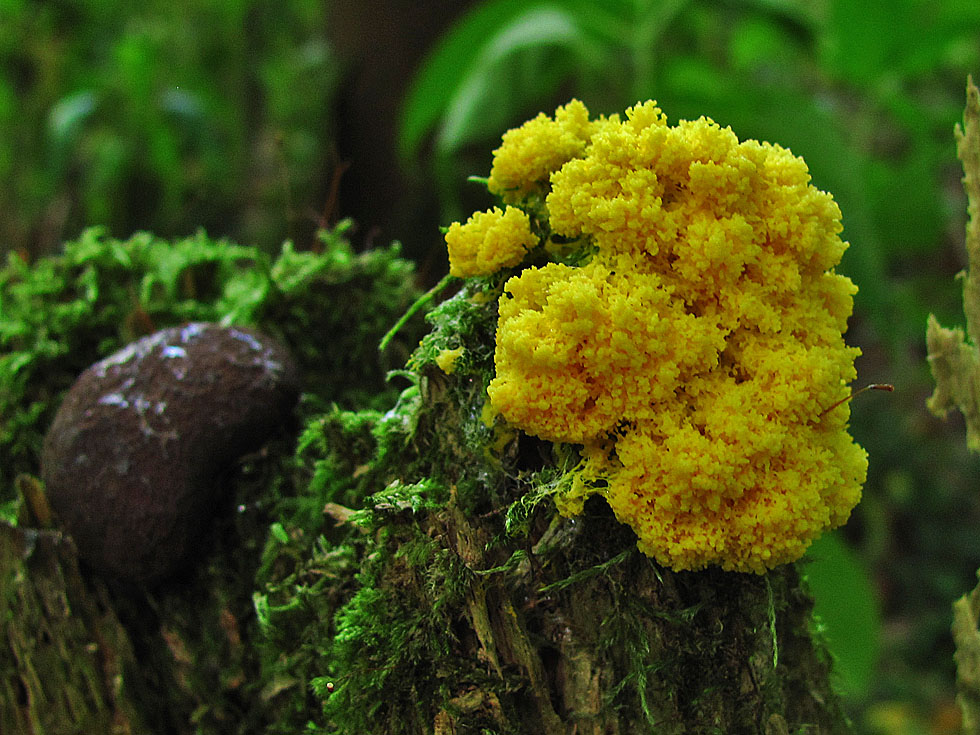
[64, 654]
[688, 652]
[475, 609]
[81, 653]
[562, 627]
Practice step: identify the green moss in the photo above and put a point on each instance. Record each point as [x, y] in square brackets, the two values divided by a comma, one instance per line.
[329, 476]
[216, 646]
[469, 603]
[62, 313]
[405, 569]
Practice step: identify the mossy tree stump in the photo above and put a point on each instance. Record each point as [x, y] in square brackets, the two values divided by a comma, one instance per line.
[475, 607]
[65, 651]
[406, 572]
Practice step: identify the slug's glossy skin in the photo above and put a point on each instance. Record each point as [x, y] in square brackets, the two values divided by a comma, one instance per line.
[133, 459]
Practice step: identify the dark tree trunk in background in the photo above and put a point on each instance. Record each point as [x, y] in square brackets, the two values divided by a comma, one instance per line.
[380, 44]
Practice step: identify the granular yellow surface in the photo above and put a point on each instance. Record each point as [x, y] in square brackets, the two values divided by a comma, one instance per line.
[693, 357]
[489, 241]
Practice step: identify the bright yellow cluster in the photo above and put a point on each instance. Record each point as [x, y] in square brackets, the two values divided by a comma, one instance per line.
[696, 355]
[529, 154]
[489, 241]
[447, 358]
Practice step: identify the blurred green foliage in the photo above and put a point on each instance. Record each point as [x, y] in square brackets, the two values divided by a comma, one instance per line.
[867, 93]
[166, 116]
[846, 605]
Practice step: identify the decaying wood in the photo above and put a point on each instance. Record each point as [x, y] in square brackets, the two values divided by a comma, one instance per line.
[66, 659]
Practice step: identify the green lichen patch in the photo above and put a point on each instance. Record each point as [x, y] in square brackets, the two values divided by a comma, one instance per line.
[953, 355]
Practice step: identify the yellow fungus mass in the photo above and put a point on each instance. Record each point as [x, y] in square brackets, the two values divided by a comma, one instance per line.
[694, 354]
[488, 242]
[446, 359]
[530, 153]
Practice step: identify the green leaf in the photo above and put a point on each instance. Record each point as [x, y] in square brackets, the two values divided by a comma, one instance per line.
[441, 69]
[876, 43]
[476, 108]
[279, 533]
[262, 613]
[465, 67]
[846, 607]
[67, 118]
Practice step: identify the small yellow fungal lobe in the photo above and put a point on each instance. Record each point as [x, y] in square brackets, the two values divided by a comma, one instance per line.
[531, 152]
[693, 356]
[446, 360]
[488, 242]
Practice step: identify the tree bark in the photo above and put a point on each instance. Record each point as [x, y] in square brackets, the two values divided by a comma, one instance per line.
[418, 580]
[83, 654]
[563, 626]
[65, 656]
[612, 643]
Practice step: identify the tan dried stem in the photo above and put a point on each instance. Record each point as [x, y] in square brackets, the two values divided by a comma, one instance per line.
[953, 356]
[955, 362]
[967, 639]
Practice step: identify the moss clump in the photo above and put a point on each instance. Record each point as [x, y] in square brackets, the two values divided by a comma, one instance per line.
[62, 313]
[405, 570]
[459, 600]
[191, 650]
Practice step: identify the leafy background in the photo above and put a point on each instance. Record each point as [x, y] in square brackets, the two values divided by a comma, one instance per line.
[179, 115]
[261, 121]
